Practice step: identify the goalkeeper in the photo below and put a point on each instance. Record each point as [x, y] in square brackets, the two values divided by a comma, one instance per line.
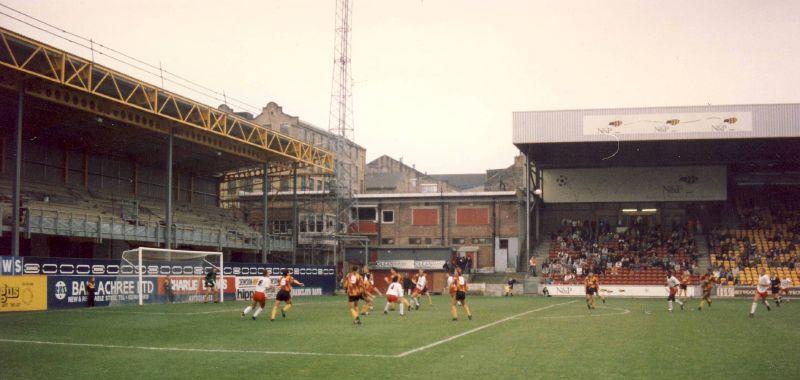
[211, 285]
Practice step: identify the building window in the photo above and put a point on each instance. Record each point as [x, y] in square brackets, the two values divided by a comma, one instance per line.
[303, 183]
[387, 216]
[458, 240]
[482, 241]
[387, 241]
[284, 184]
[428, 241]
[311, 184]
[429, 188]
[437, 241]
[285, 128]
[281, 226]
[330, 220]
[319, 184]
[319, 223]
[415, 241]
[369, 214]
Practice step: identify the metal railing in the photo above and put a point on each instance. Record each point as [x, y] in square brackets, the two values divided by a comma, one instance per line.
[103, 227]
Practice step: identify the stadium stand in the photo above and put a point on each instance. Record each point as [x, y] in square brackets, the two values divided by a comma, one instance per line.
[71, 211]
[634, 254]
[768, 236]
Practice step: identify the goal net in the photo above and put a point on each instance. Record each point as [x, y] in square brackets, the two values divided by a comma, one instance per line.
[172, 275]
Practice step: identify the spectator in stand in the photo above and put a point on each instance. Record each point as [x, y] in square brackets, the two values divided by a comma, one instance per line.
[468, 265]
[533, 265]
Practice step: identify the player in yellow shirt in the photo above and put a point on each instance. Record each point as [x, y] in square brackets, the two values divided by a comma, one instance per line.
[354, 286]
[707, 281]
[683, 290]
[458, 293]
[284, 294]
[592, 284]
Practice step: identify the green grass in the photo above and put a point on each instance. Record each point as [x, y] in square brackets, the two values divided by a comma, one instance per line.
[621, 339]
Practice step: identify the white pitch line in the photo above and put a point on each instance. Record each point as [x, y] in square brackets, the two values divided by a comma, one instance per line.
[110, 310]
[204, 350]
[479, 328]
[622, 312]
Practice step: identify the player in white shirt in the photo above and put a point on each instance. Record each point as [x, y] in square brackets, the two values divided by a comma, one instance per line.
[673, 284]
[259, 296]
[762, 289]
[786, 283]
[394, 295]
[420, 287]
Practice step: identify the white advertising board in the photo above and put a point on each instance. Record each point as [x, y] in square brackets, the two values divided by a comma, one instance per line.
[617, 290]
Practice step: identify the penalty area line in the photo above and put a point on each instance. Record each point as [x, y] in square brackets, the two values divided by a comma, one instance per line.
[201, 350]
[479, 328]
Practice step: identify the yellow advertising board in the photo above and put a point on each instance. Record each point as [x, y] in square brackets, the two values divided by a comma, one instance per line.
[23, 293]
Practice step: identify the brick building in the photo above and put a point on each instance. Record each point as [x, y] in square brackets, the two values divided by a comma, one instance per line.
[425, 227]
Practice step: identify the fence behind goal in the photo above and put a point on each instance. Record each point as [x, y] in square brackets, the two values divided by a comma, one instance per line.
[117, 282]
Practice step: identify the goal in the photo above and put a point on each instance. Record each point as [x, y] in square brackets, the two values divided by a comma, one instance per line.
[177, 275]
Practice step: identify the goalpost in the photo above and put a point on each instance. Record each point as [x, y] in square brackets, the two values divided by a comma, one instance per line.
[151, 262]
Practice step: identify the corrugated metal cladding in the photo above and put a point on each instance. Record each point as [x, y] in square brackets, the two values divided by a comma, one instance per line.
[768, 121]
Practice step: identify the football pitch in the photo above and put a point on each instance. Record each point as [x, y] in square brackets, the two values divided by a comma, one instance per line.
[509, 338]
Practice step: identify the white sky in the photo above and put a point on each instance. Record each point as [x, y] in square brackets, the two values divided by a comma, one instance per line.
[436, 81]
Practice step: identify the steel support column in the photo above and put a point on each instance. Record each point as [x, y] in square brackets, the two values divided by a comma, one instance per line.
[265, 187]
[539, 200]
[527, 210]
[295, 226]
[15, 213]
[168, 206]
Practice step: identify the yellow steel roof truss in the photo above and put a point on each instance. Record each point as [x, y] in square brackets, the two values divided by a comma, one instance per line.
[34, 58]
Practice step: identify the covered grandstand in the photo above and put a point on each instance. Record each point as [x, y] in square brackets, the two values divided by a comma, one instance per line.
[101, 150]
[633, 192]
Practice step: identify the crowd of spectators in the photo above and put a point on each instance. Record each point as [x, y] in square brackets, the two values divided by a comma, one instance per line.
[767, 235]
[582, 246]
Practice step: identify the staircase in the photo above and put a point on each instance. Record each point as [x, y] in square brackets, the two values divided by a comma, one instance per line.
[526, 284]
[703, 255]
[542, 253]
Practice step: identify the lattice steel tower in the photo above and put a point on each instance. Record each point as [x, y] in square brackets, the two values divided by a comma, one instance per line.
[340, 121]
